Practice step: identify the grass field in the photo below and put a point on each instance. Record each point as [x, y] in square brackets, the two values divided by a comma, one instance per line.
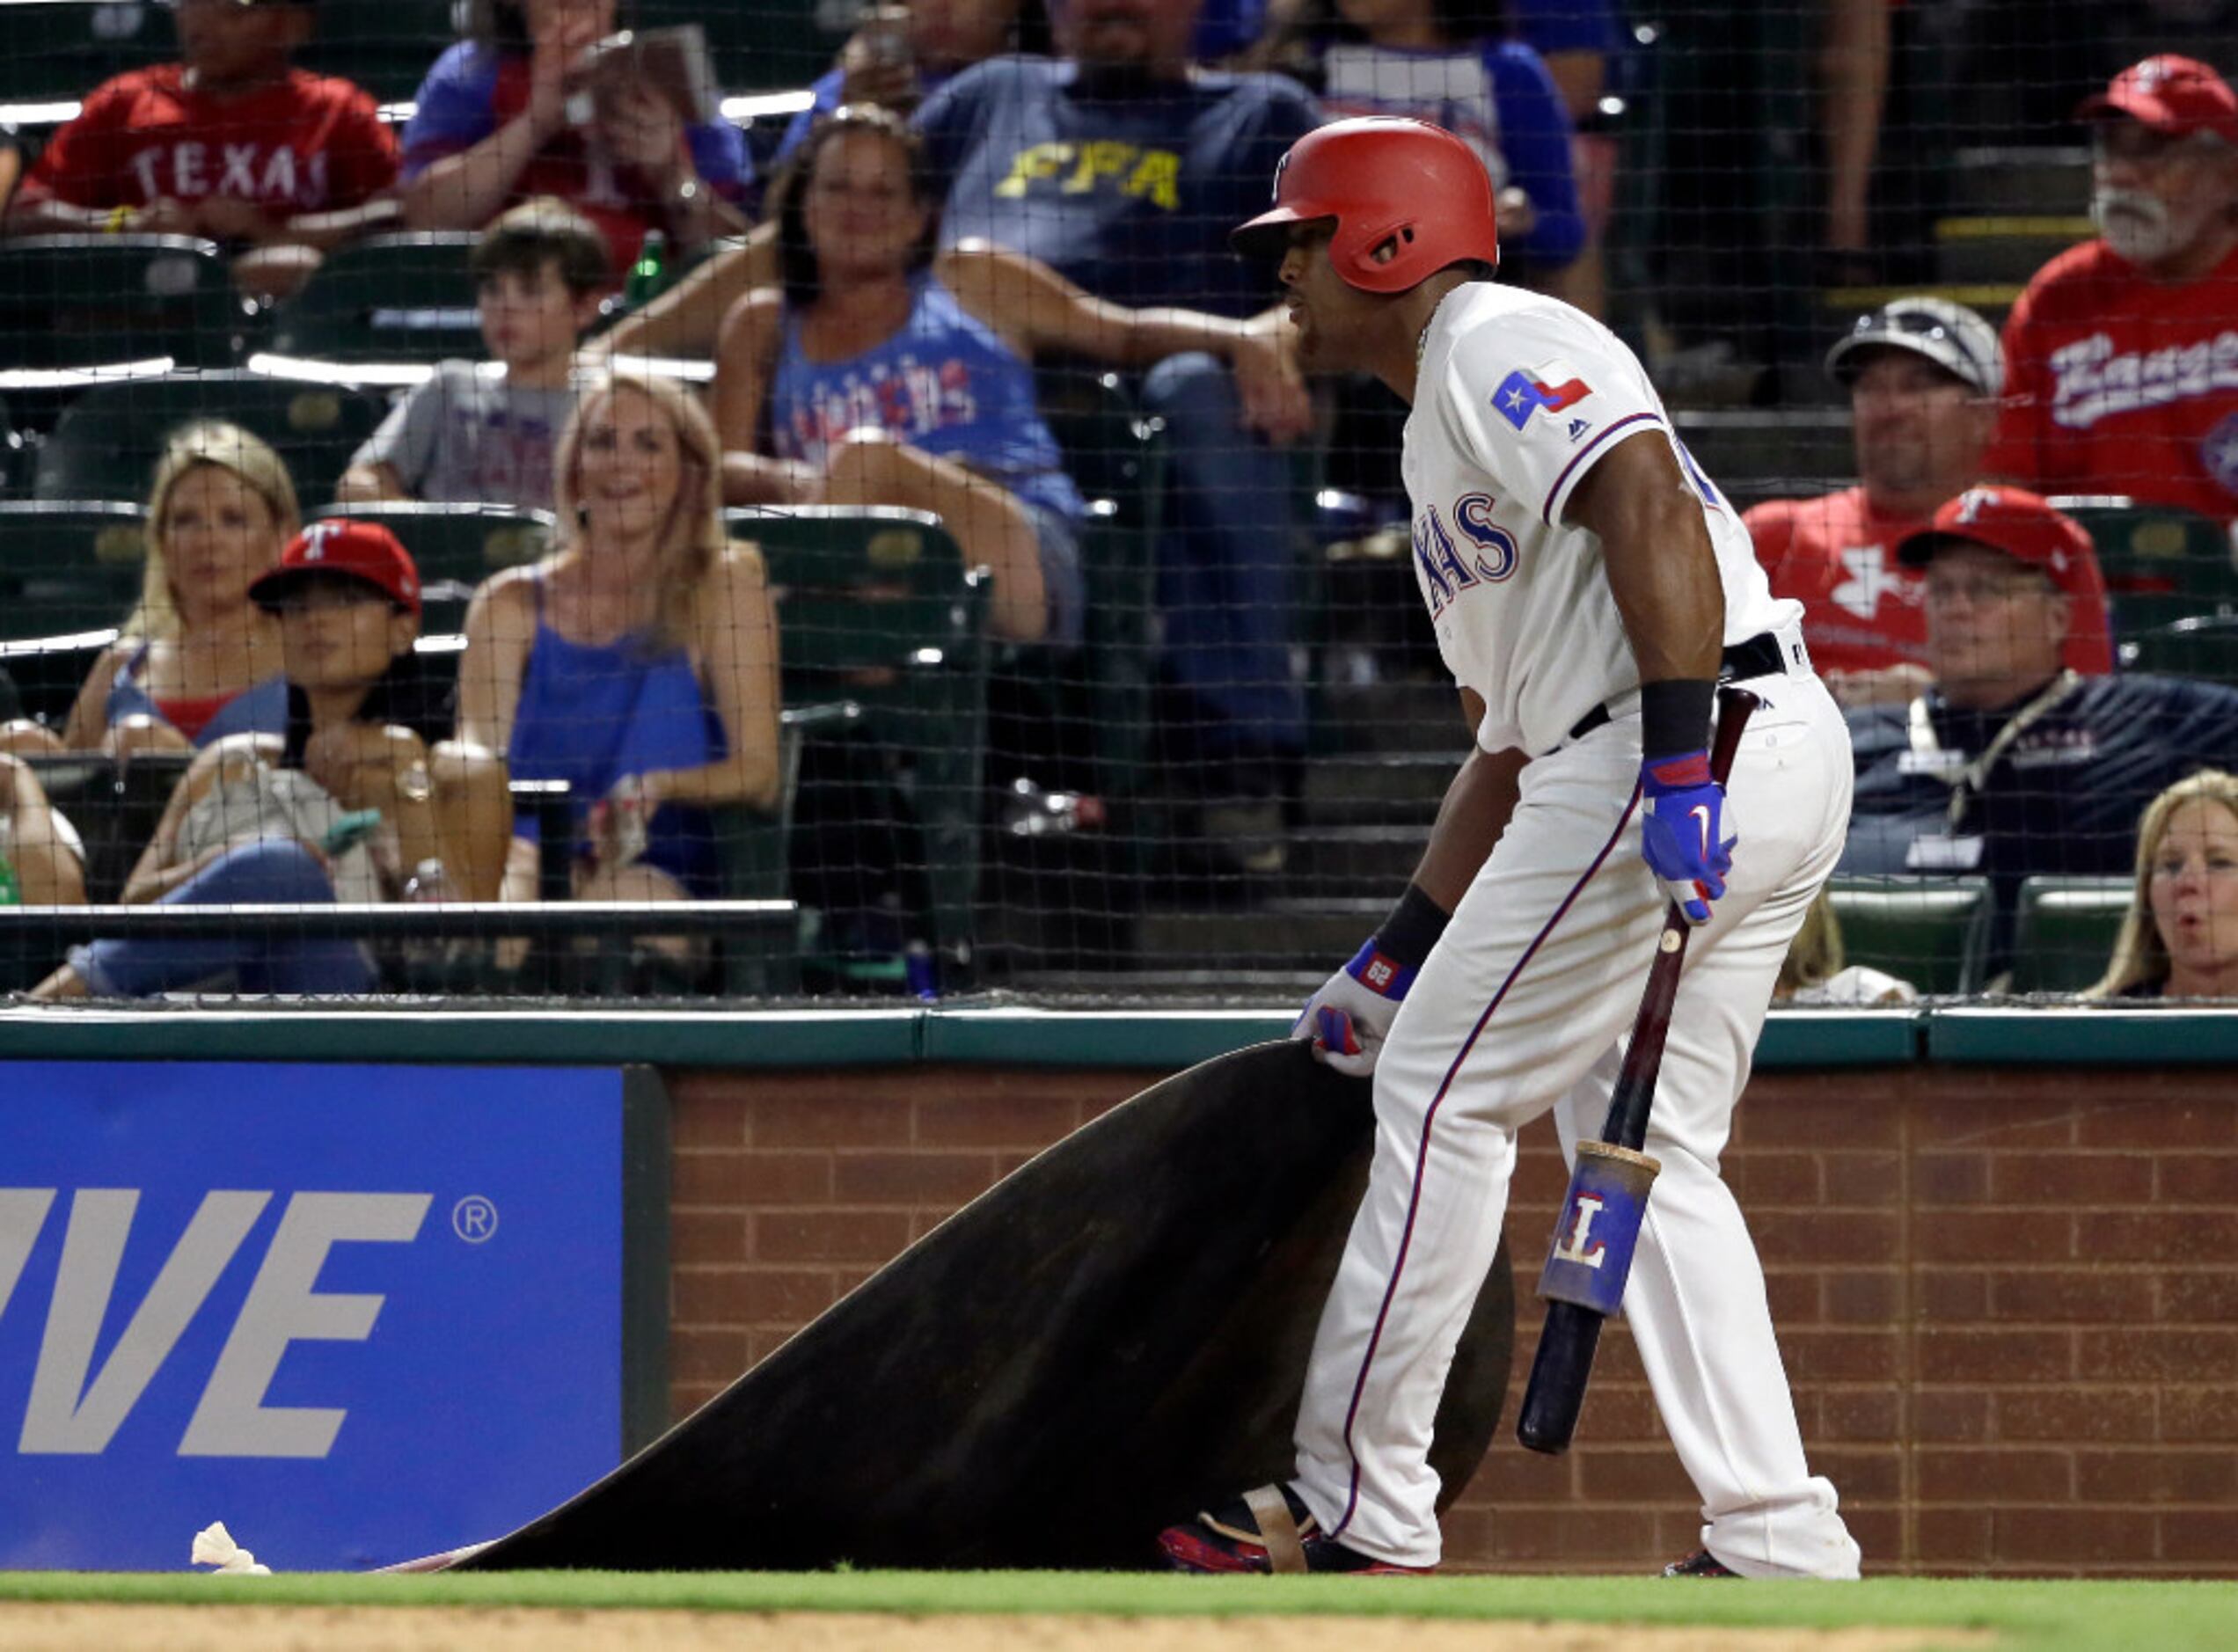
[2057, 1615]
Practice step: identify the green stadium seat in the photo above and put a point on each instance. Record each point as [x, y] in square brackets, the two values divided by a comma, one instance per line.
[457, 547]
[876, 607]
[1931, 932]
[2064, 932]
[2203, 646]
[67, 565]
[87, 301]
[110, 436]
[61, 50]
[388, 298]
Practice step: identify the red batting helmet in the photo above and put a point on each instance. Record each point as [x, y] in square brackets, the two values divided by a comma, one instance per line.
[1382, 179]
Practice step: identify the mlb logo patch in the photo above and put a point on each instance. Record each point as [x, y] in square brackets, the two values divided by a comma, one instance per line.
[1522, 394]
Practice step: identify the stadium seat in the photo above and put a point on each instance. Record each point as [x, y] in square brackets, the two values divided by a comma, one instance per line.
[67, 565]
[2203, 646]
[59, 51]
[874, 607]
[2064, 935]
[1931, 932]
[458, 547]
[388, 298]
[86, 301]
[110, 436]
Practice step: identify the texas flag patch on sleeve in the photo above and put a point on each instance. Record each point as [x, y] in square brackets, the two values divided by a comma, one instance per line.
[1522, 394]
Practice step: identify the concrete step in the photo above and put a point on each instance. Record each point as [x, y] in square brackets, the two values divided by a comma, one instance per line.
[1393, 718]
[1378, 788]
[1761, 454]
[2003, 250]
[2034, 181]
[1354, 862]
[1283, 936]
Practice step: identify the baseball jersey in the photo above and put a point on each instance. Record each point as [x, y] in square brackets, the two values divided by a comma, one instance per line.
[1497, 95]
[1517, 398]
[1836, 555]
[2117, 385]
[1130, 192]
[472, 91]
[306, 143]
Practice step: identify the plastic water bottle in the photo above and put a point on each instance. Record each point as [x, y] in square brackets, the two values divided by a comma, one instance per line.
[1031, 811]
[10, 885]
[650, 273]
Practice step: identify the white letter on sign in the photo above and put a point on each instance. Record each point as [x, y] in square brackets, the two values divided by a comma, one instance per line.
[232, 1419]
[1575, 1249]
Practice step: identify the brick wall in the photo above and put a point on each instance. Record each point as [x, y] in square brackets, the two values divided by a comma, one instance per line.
[2008, 1298]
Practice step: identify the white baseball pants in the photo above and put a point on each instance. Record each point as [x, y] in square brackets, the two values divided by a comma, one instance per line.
[1522, 1007]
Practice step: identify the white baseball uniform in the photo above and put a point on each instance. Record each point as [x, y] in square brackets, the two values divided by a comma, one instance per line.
[1523, 1005]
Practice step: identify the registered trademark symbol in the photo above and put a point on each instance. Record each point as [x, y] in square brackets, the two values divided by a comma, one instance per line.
[474, 1219]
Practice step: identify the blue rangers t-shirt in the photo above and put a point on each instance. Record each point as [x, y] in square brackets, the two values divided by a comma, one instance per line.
[1130, 193]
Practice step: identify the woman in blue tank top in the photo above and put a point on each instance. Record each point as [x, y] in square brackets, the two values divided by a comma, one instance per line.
[639, 661]
[892, 375]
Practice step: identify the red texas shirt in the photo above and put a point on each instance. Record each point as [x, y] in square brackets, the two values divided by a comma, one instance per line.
[306, 143]
[1836, 555]
[2117, 384]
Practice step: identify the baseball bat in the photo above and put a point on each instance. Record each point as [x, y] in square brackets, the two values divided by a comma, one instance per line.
[1611, 1171]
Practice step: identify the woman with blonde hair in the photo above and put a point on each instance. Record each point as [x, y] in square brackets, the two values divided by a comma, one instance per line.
[639, 661]
[2180, 937]
[196, 661]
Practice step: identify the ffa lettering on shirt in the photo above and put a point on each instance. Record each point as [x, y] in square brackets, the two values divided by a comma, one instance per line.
[1125, 169]
[920, 399]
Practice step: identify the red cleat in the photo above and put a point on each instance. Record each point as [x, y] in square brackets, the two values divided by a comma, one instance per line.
[1268, 1531]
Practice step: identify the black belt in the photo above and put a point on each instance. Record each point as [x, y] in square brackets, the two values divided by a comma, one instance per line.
[1758, 656]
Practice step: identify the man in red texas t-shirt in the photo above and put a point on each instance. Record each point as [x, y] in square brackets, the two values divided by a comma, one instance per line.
[1922, 375]
[2122, 356]
[232, 142]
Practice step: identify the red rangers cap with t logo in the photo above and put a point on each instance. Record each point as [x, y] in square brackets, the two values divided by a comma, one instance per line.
[362, 550]
[2171, 94]
[2014, 521]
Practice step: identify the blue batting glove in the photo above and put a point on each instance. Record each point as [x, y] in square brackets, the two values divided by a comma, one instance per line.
[1348, 1018]
[1682, 822]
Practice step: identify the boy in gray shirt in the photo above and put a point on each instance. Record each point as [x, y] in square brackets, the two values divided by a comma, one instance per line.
[481, 432]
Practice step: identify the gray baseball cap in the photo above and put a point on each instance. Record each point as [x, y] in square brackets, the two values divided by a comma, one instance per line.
[1951, 336]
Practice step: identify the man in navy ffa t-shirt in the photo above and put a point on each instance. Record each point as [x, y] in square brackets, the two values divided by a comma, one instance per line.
[1124, 167]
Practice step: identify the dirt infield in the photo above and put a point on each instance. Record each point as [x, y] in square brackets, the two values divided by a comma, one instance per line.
[84, 1629]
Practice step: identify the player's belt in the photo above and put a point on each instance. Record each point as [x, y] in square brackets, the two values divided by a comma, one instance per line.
[1767, 654]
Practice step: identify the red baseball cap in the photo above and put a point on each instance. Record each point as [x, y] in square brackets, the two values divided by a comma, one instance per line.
[2015, 522]
[2171, 94]
[362, 550]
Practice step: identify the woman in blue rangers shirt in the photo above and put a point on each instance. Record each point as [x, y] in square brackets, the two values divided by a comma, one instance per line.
[889, 374]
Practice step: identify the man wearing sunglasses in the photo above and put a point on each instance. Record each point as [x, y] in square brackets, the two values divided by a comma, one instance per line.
[1922, 375]
[2121, 359]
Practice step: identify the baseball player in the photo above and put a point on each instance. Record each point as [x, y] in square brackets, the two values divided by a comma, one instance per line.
[1589, 586]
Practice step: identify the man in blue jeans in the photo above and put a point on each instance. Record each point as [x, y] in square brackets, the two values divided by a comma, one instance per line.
[1121, 166]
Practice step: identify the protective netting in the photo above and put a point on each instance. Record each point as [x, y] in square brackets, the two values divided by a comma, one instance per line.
[914, 513]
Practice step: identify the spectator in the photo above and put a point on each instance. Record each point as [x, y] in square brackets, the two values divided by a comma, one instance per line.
[470, 435]
[1442, 60]
[2180, 938]
[895, 375]
[2118, 357]
[2011, 765]
[1922, 376]
[198, 659]
[232, 143]
[1582, 43]
[900, 55]
[498, 122]
[41, 863]
[637, 663]
[341, 807]
[1120, 167]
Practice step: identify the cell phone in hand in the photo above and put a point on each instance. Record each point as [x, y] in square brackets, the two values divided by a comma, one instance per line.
[349, 830]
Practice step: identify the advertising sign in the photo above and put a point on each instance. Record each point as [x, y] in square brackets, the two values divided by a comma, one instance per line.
[358, 1313]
